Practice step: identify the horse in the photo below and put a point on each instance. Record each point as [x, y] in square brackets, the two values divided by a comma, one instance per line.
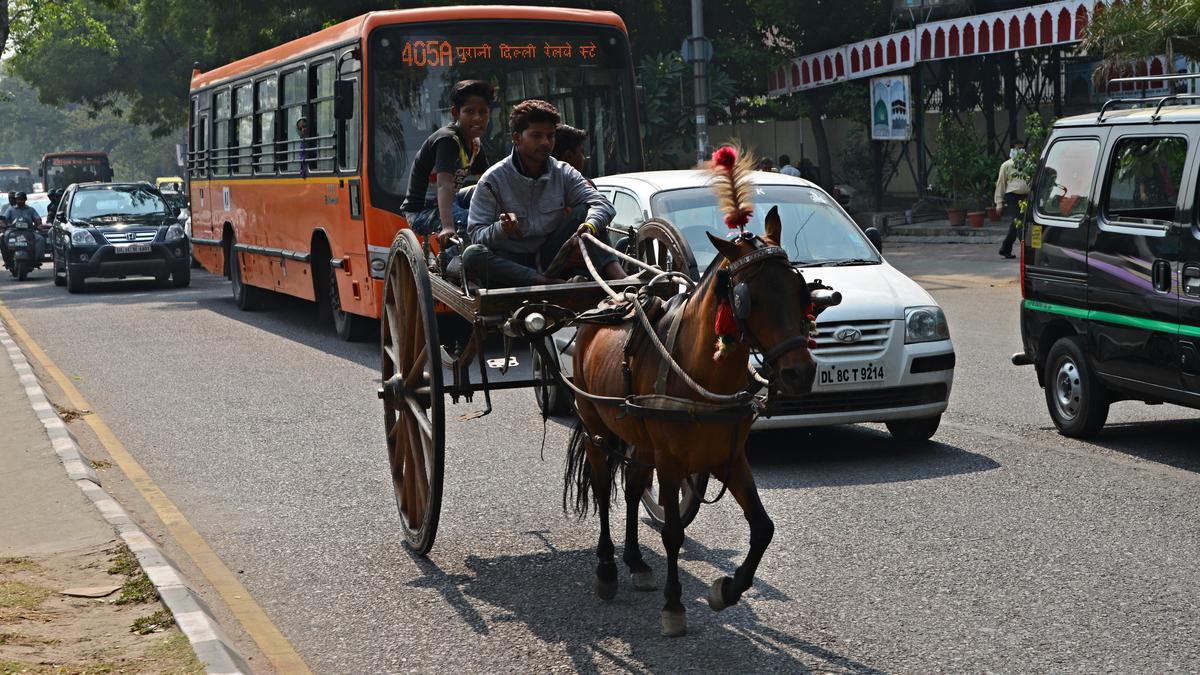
[773, 307]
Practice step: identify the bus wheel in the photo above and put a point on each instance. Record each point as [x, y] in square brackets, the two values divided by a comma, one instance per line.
[350, 327]
[247, 298]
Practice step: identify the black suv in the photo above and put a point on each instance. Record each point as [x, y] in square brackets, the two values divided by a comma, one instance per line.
[116, 230]
[1110, 263]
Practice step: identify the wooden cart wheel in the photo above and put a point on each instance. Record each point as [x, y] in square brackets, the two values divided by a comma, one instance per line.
[413, 403]
[691, 495]
[659, 243]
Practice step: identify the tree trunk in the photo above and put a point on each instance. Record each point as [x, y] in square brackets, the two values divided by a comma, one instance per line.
[816, 111]
[3, 25]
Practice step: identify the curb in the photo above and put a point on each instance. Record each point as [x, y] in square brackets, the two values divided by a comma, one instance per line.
[192, 614]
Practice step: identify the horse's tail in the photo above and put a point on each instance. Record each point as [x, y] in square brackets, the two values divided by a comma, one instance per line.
[579, 497]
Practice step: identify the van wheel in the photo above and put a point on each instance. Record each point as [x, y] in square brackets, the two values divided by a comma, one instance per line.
[914, 431]
[1077, 401]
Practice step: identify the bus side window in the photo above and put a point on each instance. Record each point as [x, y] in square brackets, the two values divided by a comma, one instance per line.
[295, 97]
[244, 126]
[350, 133]
[321, 127]
[221, 137]
[267, 100]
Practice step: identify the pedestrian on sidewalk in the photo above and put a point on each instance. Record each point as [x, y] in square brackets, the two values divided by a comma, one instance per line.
[786, 168]
[1011, 188]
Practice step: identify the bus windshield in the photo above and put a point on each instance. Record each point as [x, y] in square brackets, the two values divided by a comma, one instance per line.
[16, 180]
[583, 69]
[63, 171]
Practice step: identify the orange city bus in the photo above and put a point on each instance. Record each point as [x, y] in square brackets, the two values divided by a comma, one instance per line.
[322, 231]
[59, 170]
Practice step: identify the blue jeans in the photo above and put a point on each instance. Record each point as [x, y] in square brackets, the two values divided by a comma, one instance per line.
[429, 221]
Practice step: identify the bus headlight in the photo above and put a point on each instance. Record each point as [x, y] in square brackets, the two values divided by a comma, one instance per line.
[925, 324]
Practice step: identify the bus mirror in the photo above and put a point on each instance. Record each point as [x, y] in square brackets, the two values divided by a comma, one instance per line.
[343, 99]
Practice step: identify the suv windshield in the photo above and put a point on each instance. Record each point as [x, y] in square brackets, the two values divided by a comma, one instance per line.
[126, 201]
[815, 231]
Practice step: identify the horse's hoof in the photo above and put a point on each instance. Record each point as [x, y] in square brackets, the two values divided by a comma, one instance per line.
[606, 590]
[674, 624]
[716, 594]
[644, 581]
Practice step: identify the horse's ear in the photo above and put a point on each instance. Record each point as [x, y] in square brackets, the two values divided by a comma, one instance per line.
[728, 249]
[774, 228]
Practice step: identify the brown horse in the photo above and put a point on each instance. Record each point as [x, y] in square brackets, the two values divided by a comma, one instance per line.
[775, 324]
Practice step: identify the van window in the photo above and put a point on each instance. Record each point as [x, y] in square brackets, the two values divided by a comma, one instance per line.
[1144, 178]
[1064, 188]
[629, 213]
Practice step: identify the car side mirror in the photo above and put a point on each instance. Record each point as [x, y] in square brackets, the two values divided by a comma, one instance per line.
[876, 238]
[343, 99]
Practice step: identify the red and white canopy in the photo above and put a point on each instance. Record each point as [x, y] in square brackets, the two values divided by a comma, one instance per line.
[1050, 24]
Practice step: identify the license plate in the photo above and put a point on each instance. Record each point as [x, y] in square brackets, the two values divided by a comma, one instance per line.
[133, 248]
[835, 374]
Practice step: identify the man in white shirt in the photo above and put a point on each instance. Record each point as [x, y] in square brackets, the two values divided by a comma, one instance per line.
[786, 168]
[1011, 188]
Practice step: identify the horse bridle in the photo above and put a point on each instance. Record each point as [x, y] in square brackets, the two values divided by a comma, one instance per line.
[739, 298]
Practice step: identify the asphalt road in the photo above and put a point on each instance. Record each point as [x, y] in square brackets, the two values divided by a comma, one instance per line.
[1001, 547]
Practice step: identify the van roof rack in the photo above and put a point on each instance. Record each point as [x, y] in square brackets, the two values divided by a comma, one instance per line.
[1160, 101]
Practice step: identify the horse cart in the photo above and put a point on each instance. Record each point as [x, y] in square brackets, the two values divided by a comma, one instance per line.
[444, 341]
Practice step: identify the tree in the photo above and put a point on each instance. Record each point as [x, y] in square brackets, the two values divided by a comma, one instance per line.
[1135, 30]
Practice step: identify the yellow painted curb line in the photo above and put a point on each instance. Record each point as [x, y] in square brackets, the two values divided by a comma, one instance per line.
[274, 645]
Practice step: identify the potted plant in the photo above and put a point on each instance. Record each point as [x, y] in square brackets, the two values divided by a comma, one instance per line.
[962, 165]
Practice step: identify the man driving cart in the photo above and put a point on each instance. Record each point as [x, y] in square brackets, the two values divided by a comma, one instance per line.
[520, 212]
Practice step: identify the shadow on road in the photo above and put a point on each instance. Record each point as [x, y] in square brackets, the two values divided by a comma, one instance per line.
[551, 594]
[852, 455]
[1168, 442]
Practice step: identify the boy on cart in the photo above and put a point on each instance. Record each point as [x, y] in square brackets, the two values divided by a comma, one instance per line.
[519, 217]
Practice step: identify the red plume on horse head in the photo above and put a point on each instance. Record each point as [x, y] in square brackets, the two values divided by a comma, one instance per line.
[731, 168]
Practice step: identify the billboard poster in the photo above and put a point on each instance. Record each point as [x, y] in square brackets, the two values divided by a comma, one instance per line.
[890, 105]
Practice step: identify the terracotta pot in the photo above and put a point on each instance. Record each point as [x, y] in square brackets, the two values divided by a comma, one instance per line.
[976, 218]
[956, 216]
[994, 214]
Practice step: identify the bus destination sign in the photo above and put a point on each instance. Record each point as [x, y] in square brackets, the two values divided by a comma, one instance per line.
[435, 53]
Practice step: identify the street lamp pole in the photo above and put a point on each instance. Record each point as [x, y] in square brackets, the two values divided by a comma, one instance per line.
[697, 55]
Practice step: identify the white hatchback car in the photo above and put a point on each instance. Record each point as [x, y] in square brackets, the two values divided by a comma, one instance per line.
[883, 355]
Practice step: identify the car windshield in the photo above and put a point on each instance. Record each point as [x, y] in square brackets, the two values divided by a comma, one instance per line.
[815, 231]
[125, 201]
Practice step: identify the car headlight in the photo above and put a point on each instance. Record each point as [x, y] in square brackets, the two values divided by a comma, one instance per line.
[175, 233]
[925, 324]
[82, 238]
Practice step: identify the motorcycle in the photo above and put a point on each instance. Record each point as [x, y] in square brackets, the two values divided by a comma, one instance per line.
[22, 248]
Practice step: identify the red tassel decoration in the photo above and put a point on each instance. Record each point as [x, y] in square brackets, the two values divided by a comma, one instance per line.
[726, 329]
[725, 157]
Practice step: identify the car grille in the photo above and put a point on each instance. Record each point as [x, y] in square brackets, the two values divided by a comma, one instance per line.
[122, 236]
[872, 343]
[858, 399]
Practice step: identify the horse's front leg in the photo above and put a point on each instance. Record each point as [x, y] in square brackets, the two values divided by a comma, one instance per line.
[637, 479]
[606, 569]
[674, 622]
[726, 591]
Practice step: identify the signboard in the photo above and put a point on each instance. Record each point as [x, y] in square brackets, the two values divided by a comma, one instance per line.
[890, 106]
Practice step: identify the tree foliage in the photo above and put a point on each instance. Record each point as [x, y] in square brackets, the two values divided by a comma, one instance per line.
[1128, 31]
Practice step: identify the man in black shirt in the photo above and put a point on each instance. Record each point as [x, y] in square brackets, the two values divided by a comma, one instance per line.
[445, 160]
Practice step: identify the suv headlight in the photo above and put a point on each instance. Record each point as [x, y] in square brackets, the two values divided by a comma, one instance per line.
[174, 233]
[82, 238]
[925, 324]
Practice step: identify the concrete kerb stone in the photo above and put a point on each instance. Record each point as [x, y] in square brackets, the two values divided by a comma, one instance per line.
[191, 613]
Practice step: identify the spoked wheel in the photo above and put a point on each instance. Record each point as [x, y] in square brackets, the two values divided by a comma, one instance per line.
[413, 404]
[659, 243]
[691, 495]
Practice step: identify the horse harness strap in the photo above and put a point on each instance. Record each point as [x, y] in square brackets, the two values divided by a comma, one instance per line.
[664, 369]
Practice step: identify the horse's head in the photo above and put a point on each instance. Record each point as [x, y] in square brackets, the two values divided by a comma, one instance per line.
[771, 302]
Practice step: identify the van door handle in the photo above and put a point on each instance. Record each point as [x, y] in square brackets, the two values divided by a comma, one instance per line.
[1191, 279]
[1161, 276]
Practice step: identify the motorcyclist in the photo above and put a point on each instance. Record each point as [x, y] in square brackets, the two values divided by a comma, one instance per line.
[21, 210]
[12, 201]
